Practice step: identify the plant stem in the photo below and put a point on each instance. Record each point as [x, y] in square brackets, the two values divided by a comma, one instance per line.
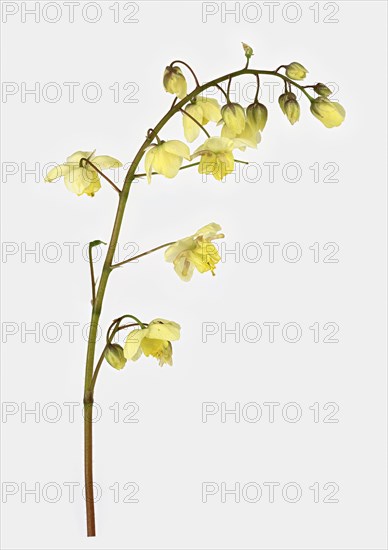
[93, 280]
[101, 174]
[88, 462]
[157, 173]
[107, 268]
[143, 254]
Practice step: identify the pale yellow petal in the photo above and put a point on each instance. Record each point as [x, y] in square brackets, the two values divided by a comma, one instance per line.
[208, 231]
[57, 172]
[133, 342]
[77, 180]
[104, 162]
[184, 268]
[162, 329]
[165, 163]
[176, 147]
[192, 129]
[210, 108]
[95, 184]
[180, 246]
[149, 158]
[78, 155]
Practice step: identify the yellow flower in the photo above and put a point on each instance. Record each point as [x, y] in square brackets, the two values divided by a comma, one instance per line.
[292, 110]
[174, 82]
[330, 113]
[202, 109]
[196, 251]
[249, 137]
[257, 115]
[153, 340]
[216, 157]
[82, 179]
[296, 71]
[166, 158]
[234, 117]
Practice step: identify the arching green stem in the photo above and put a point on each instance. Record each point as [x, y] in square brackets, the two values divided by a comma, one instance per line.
[107, 269]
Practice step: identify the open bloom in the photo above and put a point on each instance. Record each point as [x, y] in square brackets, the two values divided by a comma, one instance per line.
[195, 252]
[153, 340]
[203, 110]
[82, 179]
[296, 71]
[216, 157]
[174, 82]
[166, 158]
[330, 113]
[249, 137]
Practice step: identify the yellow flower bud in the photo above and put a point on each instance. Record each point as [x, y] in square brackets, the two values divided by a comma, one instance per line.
[285, 97]
[292, 110]
[114, 354]
[296, 71]
[247, 50]
[257, 115]
[330, 113]
[234, 117]
[174, 82]
[321, 89]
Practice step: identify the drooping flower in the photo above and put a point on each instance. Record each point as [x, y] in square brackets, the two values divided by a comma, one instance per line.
[257, 115]
[216, 157]
[234, 117]
[248, 137]
[292, 110]
[166, 158]
[174, 82]
[195, 252]
[285, 97]
[330, 113]
[203, 109]
[153, 340]
[82, 179]
[296, 71]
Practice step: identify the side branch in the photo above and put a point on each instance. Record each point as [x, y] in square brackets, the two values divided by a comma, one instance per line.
[143, 254]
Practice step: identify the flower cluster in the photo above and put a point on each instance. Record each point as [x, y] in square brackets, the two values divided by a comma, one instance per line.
[239, 127]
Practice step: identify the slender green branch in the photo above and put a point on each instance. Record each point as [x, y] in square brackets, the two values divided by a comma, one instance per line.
[101, 173]
[190, 69]
[228, 89]
[196, 122]
[222, 90]
[102, 356]
[156, 173]
[143, 254]
[257, 89]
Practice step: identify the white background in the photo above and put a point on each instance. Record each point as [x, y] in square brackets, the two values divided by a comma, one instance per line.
[171, 452]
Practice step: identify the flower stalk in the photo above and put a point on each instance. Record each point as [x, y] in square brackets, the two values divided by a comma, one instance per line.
[98, 292]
